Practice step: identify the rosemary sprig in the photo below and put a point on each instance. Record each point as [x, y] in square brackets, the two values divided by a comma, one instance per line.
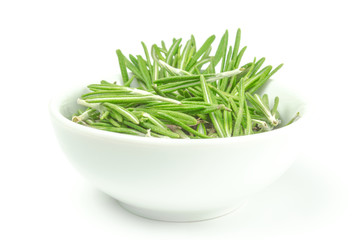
[184, 92]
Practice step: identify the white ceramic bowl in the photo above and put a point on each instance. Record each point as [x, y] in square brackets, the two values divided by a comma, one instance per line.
[180, 179]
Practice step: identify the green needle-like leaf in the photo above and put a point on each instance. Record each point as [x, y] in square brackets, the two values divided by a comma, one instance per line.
[236, 44]
[122, 65]
[222, 48]
[144, 71]
[122, 111]
[182, 125]
[146, 52]
[208, 99]
[237, 126]
[120, 130]
[160, 130]
[200, 52]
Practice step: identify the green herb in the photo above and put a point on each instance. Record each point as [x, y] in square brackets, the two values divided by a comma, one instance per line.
[184, 92]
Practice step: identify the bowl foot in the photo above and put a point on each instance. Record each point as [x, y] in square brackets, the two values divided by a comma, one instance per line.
[173, 216]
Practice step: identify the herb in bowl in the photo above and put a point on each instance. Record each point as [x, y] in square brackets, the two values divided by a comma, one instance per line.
[180, 93]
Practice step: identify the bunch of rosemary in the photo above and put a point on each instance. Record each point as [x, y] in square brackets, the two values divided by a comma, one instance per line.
[181, 95]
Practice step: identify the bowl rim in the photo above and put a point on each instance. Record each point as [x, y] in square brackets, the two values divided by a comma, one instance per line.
[59, 97]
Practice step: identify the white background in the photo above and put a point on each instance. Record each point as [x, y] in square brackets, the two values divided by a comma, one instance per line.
[50, 45]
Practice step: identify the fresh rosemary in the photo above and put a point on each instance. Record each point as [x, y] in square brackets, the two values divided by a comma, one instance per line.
[181, 94]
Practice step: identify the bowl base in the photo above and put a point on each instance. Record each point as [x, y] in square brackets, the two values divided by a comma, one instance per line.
[180, 216]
